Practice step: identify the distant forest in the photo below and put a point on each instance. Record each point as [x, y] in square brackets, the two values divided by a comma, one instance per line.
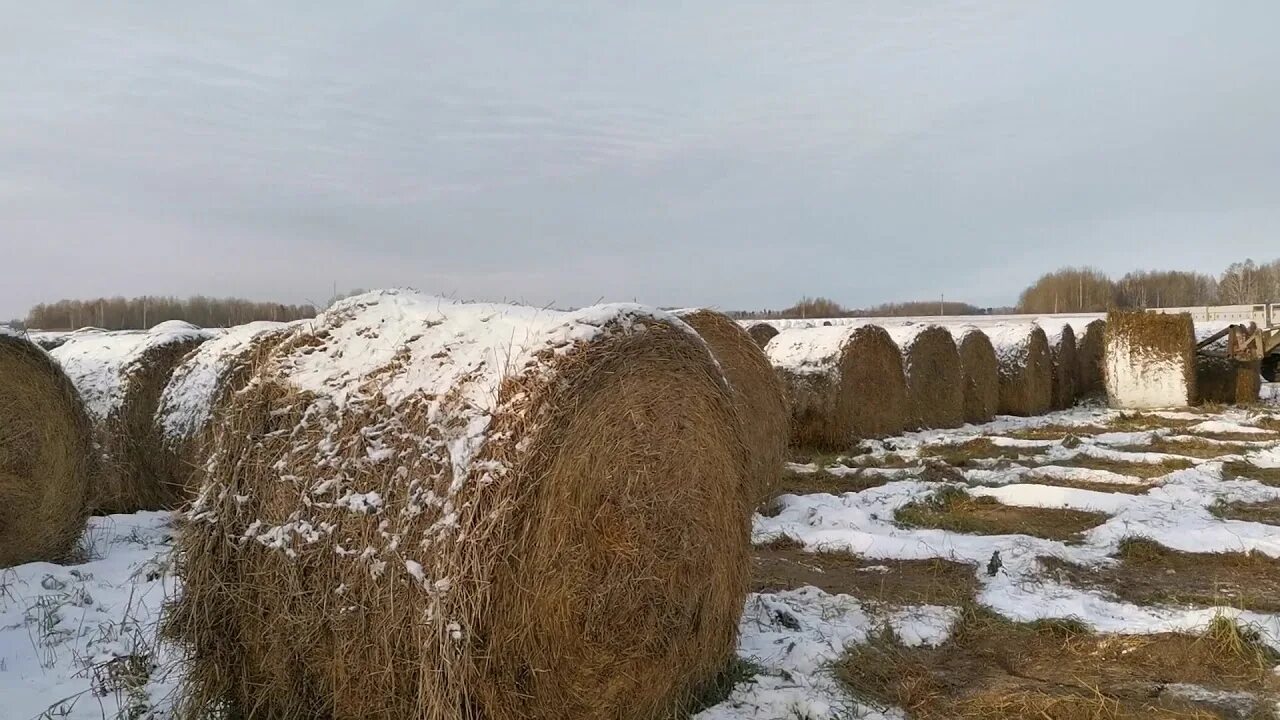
[140, 313]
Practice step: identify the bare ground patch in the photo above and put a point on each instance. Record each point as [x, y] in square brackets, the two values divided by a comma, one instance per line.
[995, 669]
[1152, 574]
[786, 566]
[955, 510]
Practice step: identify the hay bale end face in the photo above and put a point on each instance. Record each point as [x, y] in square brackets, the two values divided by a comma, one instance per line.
[935, 385]
[762, 333]
[1064, 362]
[979, 373]
[758, 395]
[46, 456]
[121, 375]
[458, 525]
[1150, 360]
[1025, 368]
[844, 383]
[1227, 381]
[1089, 344]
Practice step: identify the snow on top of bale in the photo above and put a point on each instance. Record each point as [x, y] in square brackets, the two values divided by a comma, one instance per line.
[805, 350]
[1053, 328]
[906, 334]
[97, 361]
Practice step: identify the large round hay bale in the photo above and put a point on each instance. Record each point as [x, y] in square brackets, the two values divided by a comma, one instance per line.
[46, 456]
[935, 385]
[758, 395]
[1149, 360]
[762, 333]
[426, 509]
[121, 375]
[200, 385]
[1089, 343]
[1227, 381]
[1065, 364]
[844, 383]
[1026, 369]
[979, 373]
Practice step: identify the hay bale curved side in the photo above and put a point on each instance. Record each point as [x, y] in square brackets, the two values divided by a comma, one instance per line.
[121, 375]
[1150, 360]
[762, 333]
[980, 373]
[935, 387]
[1065, 363]
[1025, 368]
[1227, 381]
[758, 395]
[844, 383]
[1089, 344]
[553, 528]
[46, 456]
[197, 388]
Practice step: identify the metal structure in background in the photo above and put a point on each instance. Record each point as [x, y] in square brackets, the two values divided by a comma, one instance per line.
[1254, 334]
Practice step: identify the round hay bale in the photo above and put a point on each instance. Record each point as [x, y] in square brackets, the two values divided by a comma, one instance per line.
[121, 375]
[46, 456]
[1227, 381]
[200, 385]
[48, 340]
[758, 395]
[419, 508]
[844, 383]
[1025, 368]
[1149, 360]
[762, 333]
[1065, 364]
[935, 386]
[980, 374]
[1089, 344]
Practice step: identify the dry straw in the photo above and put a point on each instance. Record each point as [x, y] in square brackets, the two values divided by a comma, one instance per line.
[1089, 344]
[1025, 368]
[1227, 381]
[46, 456]
[1065, 363]
[758, 395]
[935, 385]
[762, 333]
[844, 383]
[1149, 359]
[424, 509]
[979, 373]
[121, 376]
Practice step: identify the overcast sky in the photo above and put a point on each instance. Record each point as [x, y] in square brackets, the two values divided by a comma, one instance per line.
[734, 154]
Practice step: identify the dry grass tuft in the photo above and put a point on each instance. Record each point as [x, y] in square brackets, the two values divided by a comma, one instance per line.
[1055, 431]
[1245, 470]
[47, 463]
[1143, 470]
[788, 566]
[1187, 446]
[969, 452]
[1100, 486]
[1267, 511]
[953, 509]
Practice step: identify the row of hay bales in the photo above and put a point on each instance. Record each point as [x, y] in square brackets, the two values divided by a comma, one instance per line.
[855, 381]
[412, 507]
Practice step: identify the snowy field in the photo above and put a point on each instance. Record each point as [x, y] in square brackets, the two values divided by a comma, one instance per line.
[1012, 522]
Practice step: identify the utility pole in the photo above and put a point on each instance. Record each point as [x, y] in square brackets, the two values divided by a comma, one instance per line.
[942, 304]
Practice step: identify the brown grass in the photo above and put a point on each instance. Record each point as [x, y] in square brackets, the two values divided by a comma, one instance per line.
[1089, 346]
[787, 566]
[1187, 446]
[1244, 470]
[980, 374]
[1142, 470]
[1055, 431]
[1152, 574]
[935, 384]
[995, 669]
[1267, 511]
[47, 463]
[1096, 486]
[970, 452]
[758, 396]
[762, 333]
[598, 561]
[1066, 369]
[858, 479]
[1026, 375]
[955, 510]
[1140, 421]
[1154, 337]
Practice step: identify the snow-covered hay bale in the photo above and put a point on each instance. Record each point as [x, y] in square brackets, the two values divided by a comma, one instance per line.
[844, 383]
[979, 374]
[197, 388]
[758, 395]
[418, 508]
[46, 456]
[762, 333]
[935, 385]
[121, 375]
[48, 340]
[1227, 381]
[1150, 360]
[1025, 368]
[1065, 363]
[1089, 344]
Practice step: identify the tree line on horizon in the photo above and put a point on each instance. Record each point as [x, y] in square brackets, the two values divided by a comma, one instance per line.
[141, 313]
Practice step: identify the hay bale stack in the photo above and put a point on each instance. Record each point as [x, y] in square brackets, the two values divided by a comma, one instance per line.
[758, 395]
[762, 333]
[426, 509]
[1227, 381]
[844, 383]
[935, 384]
[979, 373]
[1065, 363]
[121, 375]
[1025, 368]
[1089, 344]
[200, 385]
[46, 456]
[1149, 360]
